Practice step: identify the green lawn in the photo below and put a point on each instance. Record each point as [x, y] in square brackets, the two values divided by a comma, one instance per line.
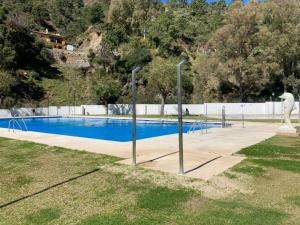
[71, 187]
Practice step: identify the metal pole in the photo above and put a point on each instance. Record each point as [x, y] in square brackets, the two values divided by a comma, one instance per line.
[281, 110]
[243, 117]
[48, 106]
[74, 103]
[299, 106]
[179, 97]
[134, 114]
[206, 118]
[223, 117]
[273, 94]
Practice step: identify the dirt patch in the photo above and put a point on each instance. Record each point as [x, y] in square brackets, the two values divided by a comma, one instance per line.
[218, 187]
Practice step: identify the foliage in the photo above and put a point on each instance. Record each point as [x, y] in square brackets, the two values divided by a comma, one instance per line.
[162, 79]
[108, 90]
[22, 58]
[6, 82]
[235, 53]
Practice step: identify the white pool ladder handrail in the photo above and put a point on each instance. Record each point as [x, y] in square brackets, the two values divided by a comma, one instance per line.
[14, 120]
[196, 124]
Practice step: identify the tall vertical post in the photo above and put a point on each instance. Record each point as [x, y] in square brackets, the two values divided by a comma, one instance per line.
[179, 97]
[299, 106]
[48, 105]
[243, 116]
[74, 103]
[206, 115]
[282, 110]
[224, 117]
[273, 100]
[133, 80]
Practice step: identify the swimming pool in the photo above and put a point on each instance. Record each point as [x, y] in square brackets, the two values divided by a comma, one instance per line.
[102, 128]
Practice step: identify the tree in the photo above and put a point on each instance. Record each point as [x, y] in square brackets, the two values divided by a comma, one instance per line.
[162, 79]
[95, 13]
[280, 36]
[6, 82]
[135, 54]
[120, 13]
[65, 12]
[144, 11]
[25, 57]
[108, 90]
[205, 79]
[199, 6]
[27, 51]
[241, 70]
[164, 33]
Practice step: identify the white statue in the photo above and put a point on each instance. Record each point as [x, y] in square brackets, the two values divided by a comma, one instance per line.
[288, 104]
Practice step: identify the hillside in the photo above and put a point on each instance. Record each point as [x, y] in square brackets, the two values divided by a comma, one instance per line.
[235, 53]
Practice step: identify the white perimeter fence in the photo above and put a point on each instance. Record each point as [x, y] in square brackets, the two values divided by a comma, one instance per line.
[263, 110]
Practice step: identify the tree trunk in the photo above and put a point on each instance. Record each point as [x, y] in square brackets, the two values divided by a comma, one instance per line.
[106, 108]
[162, 106]
[241, 86]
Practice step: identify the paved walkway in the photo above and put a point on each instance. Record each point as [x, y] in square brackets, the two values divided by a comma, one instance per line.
[205, 155]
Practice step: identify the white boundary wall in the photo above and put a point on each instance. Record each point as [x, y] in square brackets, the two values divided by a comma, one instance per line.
[250, 109]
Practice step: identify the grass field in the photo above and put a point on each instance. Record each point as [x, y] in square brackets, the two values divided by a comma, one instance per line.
[59, 186]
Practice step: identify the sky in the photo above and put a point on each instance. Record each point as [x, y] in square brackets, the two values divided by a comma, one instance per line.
[227, 1]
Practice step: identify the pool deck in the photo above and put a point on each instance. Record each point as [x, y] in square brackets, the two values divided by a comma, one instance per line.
[205, 155]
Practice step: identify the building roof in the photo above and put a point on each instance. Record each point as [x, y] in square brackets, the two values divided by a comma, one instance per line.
[48, 34]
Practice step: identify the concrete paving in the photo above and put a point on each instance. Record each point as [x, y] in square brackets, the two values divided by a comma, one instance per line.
[205, 155]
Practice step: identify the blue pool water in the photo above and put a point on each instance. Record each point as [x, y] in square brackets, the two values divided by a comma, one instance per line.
[104, 129]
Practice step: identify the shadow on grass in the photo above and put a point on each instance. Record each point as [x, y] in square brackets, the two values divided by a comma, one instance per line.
[47, 189]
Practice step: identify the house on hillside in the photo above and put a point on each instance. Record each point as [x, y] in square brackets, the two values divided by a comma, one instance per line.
[54, 40]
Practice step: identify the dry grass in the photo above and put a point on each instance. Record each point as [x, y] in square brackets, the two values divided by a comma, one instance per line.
[124, 195]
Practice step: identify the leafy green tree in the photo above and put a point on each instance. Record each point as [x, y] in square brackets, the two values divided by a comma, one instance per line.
[144, 11]
[280, 38]
[95, 13]
[29, 51]
[164, 33]
[135, 54]
[25, 57]
[162, 79]
[241, 71]
[6, 82]
[120, 13]
[65, 12]
[199, 6]
[108, 90]
[41, 14]
[114, 35]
